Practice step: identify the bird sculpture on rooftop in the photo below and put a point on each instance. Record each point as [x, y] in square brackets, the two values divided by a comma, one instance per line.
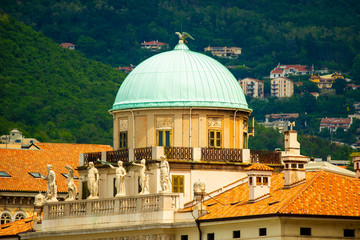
[183, 36]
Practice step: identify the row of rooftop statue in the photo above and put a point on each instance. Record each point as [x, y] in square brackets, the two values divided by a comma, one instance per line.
[93, 180]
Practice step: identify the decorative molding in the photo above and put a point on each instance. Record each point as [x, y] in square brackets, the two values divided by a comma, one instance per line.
[214, 122]
[164, 122]
[123, 124]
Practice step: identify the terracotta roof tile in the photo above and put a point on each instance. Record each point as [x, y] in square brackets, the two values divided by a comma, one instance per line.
[18, 162]
[323, 193]
[259, 167]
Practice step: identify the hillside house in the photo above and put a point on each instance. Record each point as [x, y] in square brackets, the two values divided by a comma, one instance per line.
[287, 70]
[252, 87]
[334, 123]
[280, 121]
[154, 45]
[282, 87]
[224, 52]
[69, 46]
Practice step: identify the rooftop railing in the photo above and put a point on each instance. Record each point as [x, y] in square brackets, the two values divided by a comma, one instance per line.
[228, 155]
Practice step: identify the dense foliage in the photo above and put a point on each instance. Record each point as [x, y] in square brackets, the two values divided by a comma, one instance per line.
[51, 93]
[322, 32]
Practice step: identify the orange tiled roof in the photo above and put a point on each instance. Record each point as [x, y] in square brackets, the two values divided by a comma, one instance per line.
[323, 193]
[19, 226]
[259, 167]
[18, 162]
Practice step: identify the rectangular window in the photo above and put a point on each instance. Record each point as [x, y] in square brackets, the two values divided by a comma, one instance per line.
[211, 236]
[262, 231]
[305, 231]
[349, 232]
[214, 138]
[265, 181]
[85, 190]
[236, 234]
[163, 138]
[258, 180]
[177, 183]
[245, 139]
[184, 237]
[123, 140]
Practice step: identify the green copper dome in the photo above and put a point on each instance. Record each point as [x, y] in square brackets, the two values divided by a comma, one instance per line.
[180, 78]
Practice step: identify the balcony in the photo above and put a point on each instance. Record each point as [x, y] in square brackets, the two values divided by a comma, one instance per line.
[225, 155]
[106, 212]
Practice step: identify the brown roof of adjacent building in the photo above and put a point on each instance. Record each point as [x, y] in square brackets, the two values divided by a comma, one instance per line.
[19, 226]
[322, 194]
[19, 162]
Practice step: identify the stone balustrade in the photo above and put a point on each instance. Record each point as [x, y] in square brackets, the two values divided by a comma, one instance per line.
[112, 206]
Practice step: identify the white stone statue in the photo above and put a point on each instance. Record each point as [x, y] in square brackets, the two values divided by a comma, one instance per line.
[165, 181]
[93, 181]
[143, 179]
[39, 200]
[71, 186]
[120, 179]
[51, 192]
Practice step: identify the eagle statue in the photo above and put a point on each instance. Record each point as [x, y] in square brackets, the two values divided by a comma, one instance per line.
[183, 36]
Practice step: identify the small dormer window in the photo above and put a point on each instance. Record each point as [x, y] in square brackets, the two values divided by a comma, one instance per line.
[17, 141]
[36, 175]
[301, 165]
[293, 165]
[4, 174]
[66, 176]
[250, 181]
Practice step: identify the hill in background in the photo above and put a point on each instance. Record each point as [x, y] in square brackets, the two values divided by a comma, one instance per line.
[51, 93]
[323, 32]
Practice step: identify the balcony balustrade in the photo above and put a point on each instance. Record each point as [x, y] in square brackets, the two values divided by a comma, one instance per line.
[112, 206]
[185, 154]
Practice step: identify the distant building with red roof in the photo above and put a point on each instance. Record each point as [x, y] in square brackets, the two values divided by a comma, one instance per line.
[287, 70]
[334, 123]
[154, 45]
[69, 46]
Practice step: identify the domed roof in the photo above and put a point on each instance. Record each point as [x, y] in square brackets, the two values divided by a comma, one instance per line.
[180, 78]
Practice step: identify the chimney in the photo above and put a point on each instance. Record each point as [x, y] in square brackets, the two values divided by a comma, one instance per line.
[259, 181]
[294, 169]
[356, 160]
[291, 143]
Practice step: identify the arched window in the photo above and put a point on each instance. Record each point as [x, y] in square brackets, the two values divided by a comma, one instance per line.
[19, 216]
[5, 218]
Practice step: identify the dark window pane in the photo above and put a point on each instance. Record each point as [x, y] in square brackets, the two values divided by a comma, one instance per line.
[211, 236]
[349, 232]
[167, 134]
[236, 234]
[184, 237]
[305, 231]
[161, 138]
[262, 231]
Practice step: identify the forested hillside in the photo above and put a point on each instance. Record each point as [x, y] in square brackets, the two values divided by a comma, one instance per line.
[322, 32]
[51, 93]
